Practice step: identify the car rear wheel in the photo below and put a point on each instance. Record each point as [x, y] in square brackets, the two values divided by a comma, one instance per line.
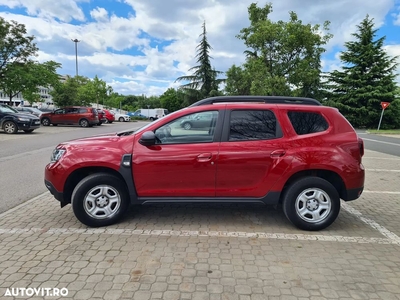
[99, 200]
[10, 127]
[187, 126]
[45, 122]
[311, 203]
[121, 119]
[84, 123]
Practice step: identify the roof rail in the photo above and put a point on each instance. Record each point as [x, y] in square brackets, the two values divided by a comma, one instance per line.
[265, 99]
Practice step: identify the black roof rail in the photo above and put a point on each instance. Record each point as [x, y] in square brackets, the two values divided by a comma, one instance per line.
[265, 99]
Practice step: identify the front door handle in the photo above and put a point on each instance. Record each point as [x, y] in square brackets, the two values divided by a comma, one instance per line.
[204, 157]
[278, 153]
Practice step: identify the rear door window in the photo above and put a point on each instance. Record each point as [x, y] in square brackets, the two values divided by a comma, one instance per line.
[248, 125]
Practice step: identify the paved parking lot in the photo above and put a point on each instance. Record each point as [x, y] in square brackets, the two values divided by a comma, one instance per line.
[210, 251]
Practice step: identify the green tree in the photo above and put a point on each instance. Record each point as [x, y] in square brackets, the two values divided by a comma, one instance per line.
[27, 78]
[19, 73]
[238, 81]
[114, 100]
[94, 91]
[366, 79]
[283, 58]
[16, 47]
[172, 99]
[67, 93]
[204, 79]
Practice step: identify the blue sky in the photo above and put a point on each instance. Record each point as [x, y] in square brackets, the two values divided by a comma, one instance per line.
[141, 47]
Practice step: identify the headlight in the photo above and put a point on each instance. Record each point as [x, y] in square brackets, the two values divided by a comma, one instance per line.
[24, 119]
[56, 155]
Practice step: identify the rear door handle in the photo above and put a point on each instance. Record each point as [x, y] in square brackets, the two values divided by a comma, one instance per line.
[204, 157]
[278, 153]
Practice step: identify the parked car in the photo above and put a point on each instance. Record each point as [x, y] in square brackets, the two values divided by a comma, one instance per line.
[120, 117]
[197, 121]
[136, 115]
[102, 116]
[30, 110]
[11, 120]
[271, 150]
[71, 115]
[109, 116]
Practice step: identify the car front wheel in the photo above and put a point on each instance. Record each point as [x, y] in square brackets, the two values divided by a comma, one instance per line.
[10, 127]
[99, 200]
[311, 203]
[121, 119]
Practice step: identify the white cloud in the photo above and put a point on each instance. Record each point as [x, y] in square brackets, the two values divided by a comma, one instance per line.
[152, 66]
[64, 10]
[100, 14]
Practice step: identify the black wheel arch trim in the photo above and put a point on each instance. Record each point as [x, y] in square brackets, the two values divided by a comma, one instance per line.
[125, 170]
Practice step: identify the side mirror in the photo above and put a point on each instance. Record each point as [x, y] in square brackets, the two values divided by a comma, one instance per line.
[148, 138]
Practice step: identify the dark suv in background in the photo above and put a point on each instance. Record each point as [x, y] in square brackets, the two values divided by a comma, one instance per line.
[11, 120]
[71, 115]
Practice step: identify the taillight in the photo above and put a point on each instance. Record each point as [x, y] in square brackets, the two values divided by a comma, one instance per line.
[361, 146]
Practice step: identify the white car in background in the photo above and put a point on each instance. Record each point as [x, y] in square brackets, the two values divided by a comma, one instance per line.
[120, 117]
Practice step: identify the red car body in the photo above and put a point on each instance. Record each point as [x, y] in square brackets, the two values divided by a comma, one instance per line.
[221, 170]
[109, 116]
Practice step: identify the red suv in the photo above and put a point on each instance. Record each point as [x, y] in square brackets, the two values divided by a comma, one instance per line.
[71, 115]
[253, 149]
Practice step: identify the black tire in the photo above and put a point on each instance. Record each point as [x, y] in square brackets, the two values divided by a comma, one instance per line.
[187, 125]
[10, 127]
[293, 203]
[28, 130]
[91, 183]
[84, 123]
[121, 119]
[46, 122]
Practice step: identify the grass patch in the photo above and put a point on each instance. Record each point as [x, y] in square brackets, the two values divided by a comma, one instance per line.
[384, 131]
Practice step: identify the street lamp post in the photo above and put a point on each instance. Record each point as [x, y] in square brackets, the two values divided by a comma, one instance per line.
[76, 41]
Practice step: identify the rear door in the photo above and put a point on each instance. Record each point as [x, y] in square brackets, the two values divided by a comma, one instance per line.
[250, 149]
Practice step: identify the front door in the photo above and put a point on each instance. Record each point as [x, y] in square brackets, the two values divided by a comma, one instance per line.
[181, 164]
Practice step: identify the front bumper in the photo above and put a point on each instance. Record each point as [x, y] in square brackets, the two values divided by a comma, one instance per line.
[58, 195]
[33, 124]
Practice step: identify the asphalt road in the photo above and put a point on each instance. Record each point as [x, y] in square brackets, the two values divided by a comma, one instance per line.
[384, 144]
[23, 158]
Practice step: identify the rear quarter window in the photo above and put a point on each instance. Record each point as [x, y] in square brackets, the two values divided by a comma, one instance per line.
[307, 122]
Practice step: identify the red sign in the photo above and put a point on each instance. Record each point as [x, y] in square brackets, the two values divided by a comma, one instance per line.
[385, 105]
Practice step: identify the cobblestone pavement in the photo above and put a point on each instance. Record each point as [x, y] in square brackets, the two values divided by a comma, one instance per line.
[244, 252]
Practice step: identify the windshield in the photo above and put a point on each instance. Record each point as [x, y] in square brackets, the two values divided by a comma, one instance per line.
[8, 109]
